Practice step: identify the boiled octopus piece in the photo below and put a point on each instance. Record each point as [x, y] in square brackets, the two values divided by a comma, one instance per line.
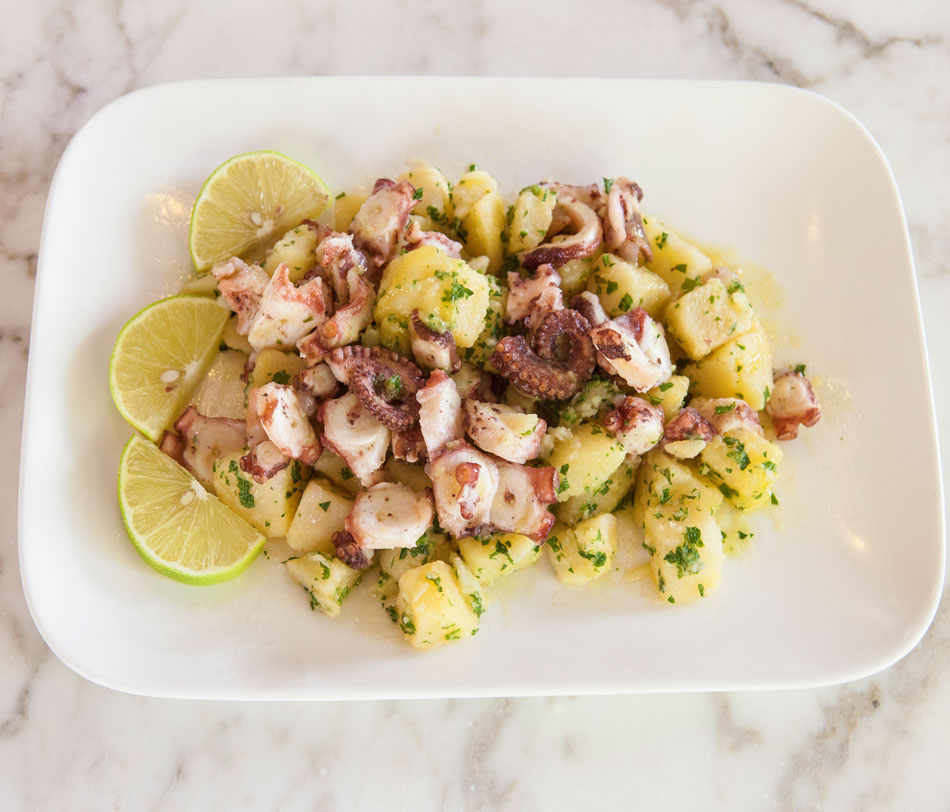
[634, 347]
[440, 412]
[493, 427]
[349, 551]
[346, 323]
[204, 440]
[464, 482]
[336, 257]
[389, 515]
[285, 423]
[530, 295]
[352, 432]
[263, 461]
[793, 403]
[589, 306]
[409, 445]
[475, 383]
[287, 313]
[385, 383]
[242, 287]
[624, 234]
[380, 221]
[687, 434]
[584, 242]
[590, 195]
[416, 238]
[728, 414]
[560, 362]
[433, 349]
[636, 424]
[313, 385]
[521, 501]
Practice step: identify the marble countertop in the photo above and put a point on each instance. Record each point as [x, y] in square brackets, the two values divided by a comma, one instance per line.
[65, 743]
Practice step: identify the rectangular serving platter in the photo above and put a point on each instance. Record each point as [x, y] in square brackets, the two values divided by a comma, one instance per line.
[841, 582]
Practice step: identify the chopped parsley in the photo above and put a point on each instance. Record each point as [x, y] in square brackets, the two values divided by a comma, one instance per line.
[324, 506]
[686, 557]
[661, 240]
[625, 303]
[727, 408]
[245, 496]
[689, 284]
[417, 195]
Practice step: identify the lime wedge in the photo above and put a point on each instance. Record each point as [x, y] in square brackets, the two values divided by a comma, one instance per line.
[179, 528]
[250, 200]
[160, 356]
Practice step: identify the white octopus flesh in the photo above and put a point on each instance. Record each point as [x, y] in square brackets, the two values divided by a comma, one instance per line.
[416, 237]
[521, 501]
[381, 219]
[583, 242]
[242, 287]
[202, 440]
[793, 403]
[440, 412]
[352, 432]
[498, 429]
[529, 295]
[634, 347]
[389, 515]
[287, 313]
[432, 349]
[464, 482]
[636, 424]
[285, 423]
[727, 414]
[624, 234]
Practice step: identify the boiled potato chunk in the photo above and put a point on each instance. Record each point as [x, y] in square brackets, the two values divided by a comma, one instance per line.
[489, 557]
[392, 564]
[337, 471]
[575, 274]
[708, 316]
[674, 258]
[602, 500]
[667, 488]
[435, 202]
[584, 552]
[740, 368]
[494, 330]
[269, 506]
[296, 249]
[585, 456]
[326, 578]
[743, 466]
[201, 285]
[432, 608]
[408, 473]
[531, 217]
[482, 228]
[274, 365]
[669, 395]
[221, 391]
[233, 340]
[345, 207]
[685, 556]
[319, 515]
[622, 286]
[446, 291]
[472, 187]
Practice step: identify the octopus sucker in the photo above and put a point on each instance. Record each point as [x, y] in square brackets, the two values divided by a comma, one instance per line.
[433, 349]
[624, 234]
[263, 461]
[464, 483]
[793, 403]
[389, 515]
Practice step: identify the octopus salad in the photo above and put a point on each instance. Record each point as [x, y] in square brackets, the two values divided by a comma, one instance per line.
[439, 386]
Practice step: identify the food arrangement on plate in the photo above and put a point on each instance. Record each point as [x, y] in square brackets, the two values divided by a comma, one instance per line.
[433, 382]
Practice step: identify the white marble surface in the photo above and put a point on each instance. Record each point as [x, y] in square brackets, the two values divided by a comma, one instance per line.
[67, 744]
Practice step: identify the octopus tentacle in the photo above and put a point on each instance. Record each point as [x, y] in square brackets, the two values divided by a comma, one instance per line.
[793, 403]
[638, 425]
[431, 348]
[623, 224]
[584, 242]
[350, 551]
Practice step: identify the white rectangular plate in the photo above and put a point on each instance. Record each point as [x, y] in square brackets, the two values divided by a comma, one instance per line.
[846, 587]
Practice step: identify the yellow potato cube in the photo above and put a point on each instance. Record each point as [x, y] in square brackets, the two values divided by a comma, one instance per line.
[668, 488]
[325, 577]
[622, 286]
[531, 217]
[274, 365]
[603, 500]
[472, 187]
[669, 395]
[435, 202]
[345, 207]
[337, 471]
[740, 368]
[489, 557]
[233, 340]
[584, 458]
[585, 552]
[268, 506]
[743, 465]
[482, 228]
[685, 556]
[319, 515]
[674, 258]
[575, 274]
[708, 316]
[432, 608]
[296, 249]
[221, 391]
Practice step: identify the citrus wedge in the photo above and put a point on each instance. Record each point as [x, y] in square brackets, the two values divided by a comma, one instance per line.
[249, 200]
[160, 356]
[179, 528]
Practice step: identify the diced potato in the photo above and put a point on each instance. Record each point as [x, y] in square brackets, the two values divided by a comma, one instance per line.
[436, 195]
[530, 218]
[708, 316]
[668, 487]
[494, 330]
[233, 340]
[482, 228]
[269, 506]
[472, 187]
[596, 397]
[326, 578]
[201, 285]
[337, 471]
[489, 557]
[470, 585]
[446, 291]
[669, 395]
[584, 458]
[685, 556]
[743, 466]
[274, 365]
[392, 564]
[585, 552]
[602, 500]
[622, 286]
[296, 249]
[432, 608]
[221, 391]
[740, 368]
[319, 515]
[515, 397]
[575, 274]
[345, 208]
[674, 258]
[408, 473]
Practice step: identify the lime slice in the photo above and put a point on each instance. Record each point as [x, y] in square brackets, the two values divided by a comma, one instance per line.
[178, 527]
[160, 356]
[249, 200]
